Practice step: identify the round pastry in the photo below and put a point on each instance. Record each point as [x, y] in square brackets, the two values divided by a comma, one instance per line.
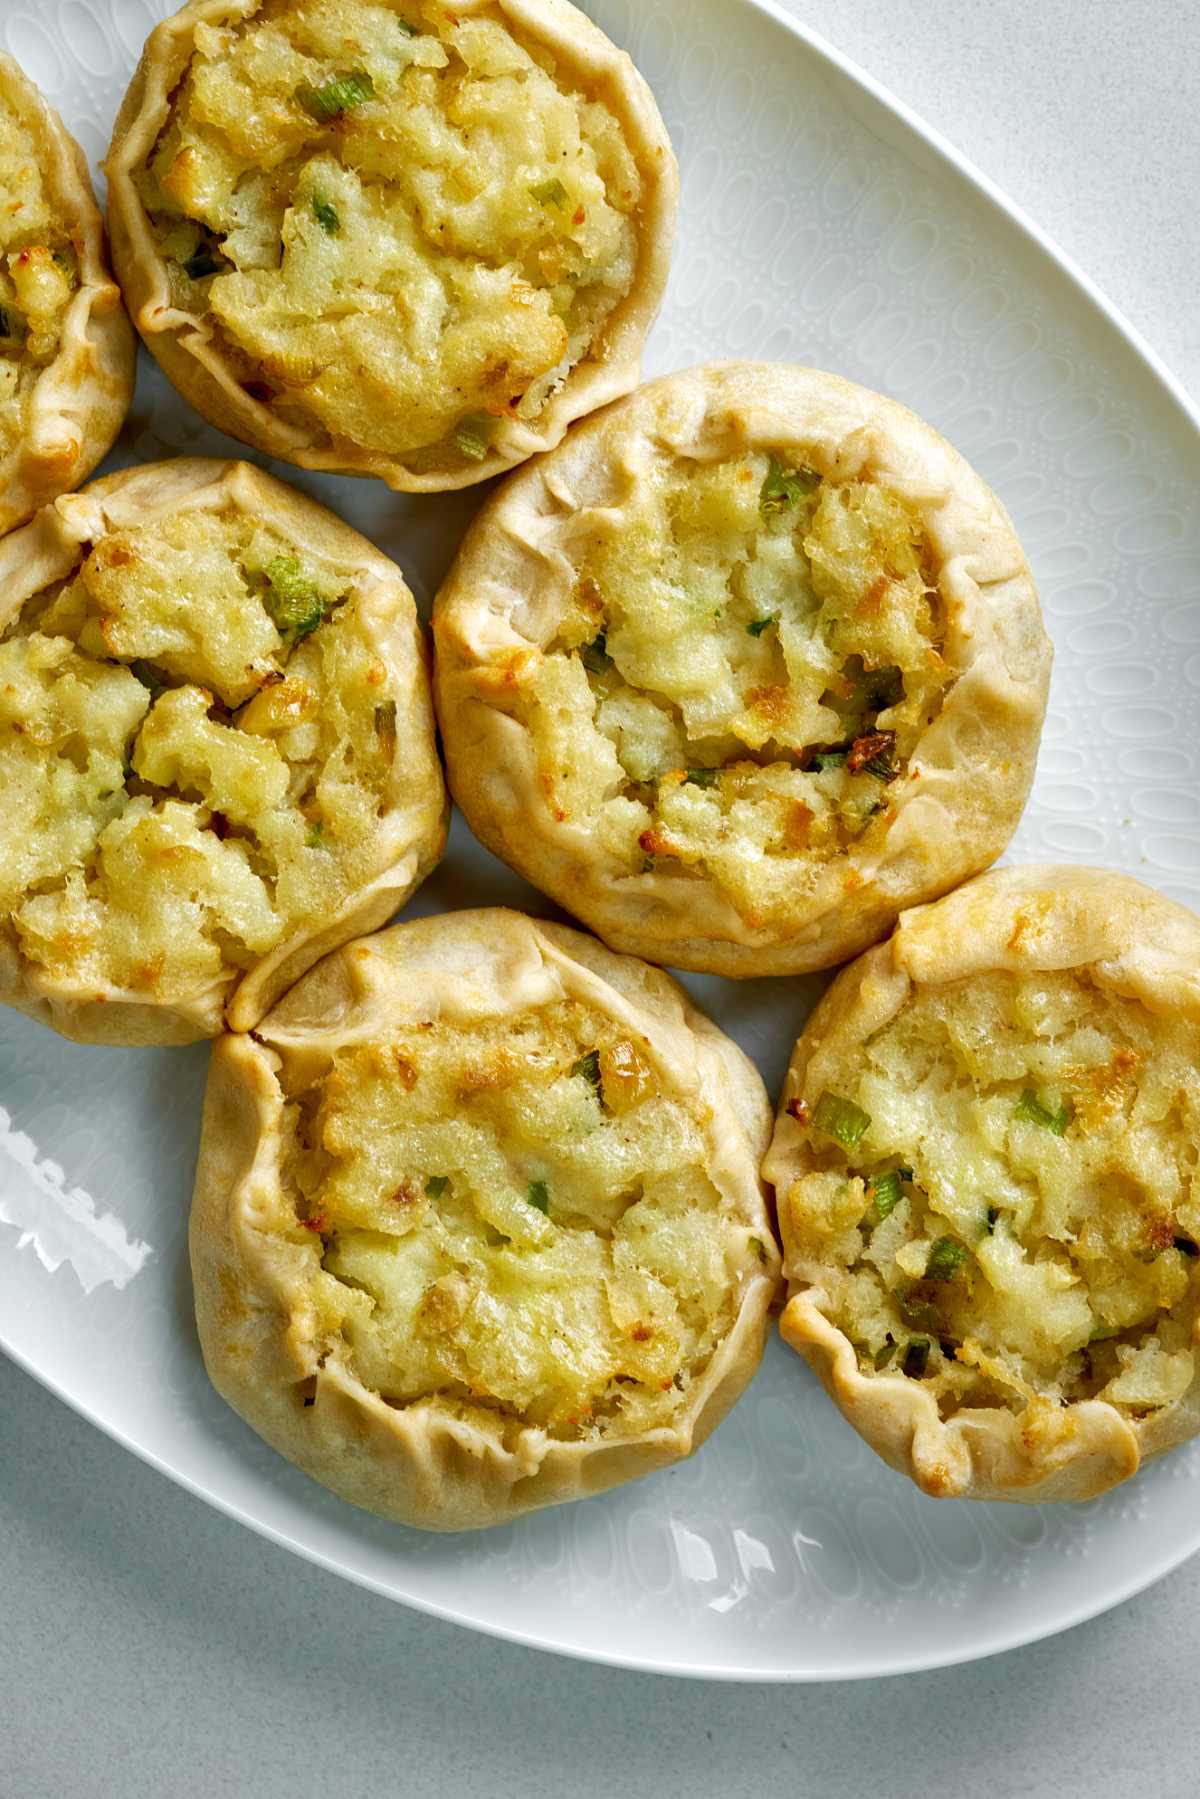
[66, 347]
[217, 751]
[988, 1190]
[746, 666]
[404, 238]
[478, 1225]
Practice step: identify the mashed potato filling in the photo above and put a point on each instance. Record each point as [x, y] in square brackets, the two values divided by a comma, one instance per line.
[402, 224]
[193, 744]
[749, 656]
[1008, 1199]
[516, 1215]
[39, 272]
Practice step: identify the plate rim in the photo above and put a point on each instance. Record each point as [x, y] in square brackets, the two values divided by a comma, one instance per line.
[1001, 1641]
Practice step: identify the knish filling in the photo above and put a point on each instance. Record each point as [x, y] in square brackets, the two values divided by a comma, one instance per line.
[195, 733]
[404, 225]
[1007, 1203]
[748, 658]
[39, 272]
[515, 1215]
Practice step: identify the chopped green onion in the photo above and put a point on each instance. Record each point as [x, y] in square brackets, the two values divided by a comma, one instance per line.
[874, 754]
[824, 759]
[757, 626]
[761, 1247]
[919, 1308]
[595, 655]
[436, 1185]
[905, 1174]
[1185, 1246]
[549, 193]
[702, 777]
[148, 676]
[408, 30]
[883, 688]
[293, 599]
[784, 488]
[316, 837]
[1103, 1334]
[589, 1067]
[326, 215]
[539, 1196]
[1030, 1109]
[886, 1193]
[470, 437]
[882, 767]
[993, 1215]
[883, 1356]
[841, 1119]
[871, 690]
[916, 1358]
[946, 1260]
[335, 97]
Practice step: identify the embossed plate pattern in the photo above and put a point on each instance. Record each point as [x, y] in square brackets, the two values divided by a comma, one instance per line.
[820, 223]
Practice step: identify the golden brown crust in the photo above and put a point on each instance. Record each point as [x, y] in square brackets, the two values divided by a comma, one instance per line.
[80, 399]
[417, 1463]
[184, 346]
[972, 767]
[1126, 938]
[414, 819]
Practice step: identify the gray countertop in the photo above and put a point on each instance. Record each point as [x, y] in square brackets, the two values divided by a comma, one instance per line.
[153, 1647]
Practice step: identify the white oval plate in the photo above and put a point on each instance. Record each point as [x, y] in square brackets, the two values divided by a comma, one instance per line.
[821, 223]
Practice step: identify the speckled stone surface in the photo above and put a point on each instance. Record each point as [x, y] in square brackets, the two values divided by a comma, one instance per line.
[152, 1647]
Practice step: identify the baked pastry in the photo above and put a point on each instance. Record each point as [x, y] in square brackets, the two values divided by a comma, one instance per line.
[412, 239]
[217, 751]
[478, 1225]
[986, 1172]
[66, 347]
[746, 666]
